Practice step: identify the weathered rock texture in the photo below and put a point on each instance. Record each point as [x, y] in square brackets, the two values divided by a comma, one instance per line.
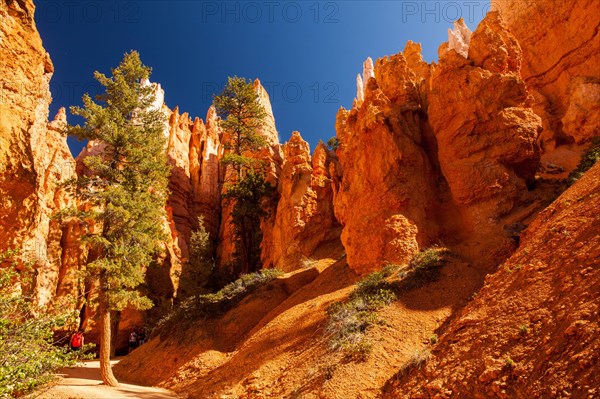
[544, 296]
[419, 132]
[485, 131]
[459, 38]
[442, 152]
[561, 65]
[387, 185]
[34, 157]
[304, 217]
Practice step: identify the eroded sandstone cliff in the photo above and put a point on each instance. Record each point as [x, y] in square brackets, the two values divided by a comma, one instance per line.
[304, 217]
[34, 157]
[446, 153]
[532, 330]
[436, 152]
[561, 68]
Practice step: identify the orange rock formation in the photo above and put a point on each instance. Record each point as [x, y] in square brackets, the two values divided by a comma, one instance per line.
[304, 217]
[561, 68]
[532, 331]
[469, 116]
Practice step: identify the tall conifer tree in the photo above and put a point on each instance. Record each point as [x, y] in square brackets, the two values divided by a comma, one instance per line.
[125, 189]
[242, 116]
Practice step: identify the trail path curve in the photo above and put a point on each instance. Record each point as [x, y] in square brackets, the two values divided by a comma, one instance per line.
[84, 382]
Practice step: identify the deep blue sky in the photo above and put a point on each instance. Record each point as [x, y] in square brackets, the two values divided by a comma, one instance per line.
[306, 53]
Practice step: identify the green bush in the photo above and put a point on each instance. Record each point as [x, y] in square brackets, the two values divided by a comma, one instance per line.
[215, 304]
[588, 159]
[196, 274]
[333, 143]
[425, 266]
[28, 354]
[509, 363]
[348, 321]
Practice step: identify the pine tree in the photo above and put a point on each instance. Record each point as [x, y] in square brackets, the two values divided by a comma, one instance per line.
[242, 116]
[125, 190]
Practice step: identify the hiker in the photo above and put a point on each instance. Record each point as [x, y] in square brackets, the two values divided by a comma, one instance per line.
[133, 339]
[76, 341]
[141, 338]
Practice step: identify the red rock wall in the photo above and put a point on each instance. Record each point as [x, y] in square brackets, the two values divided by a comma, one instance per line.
[561, 68]
[539, 310]
[486, 131]
[34, 157]
[436, 152]
[304, 217]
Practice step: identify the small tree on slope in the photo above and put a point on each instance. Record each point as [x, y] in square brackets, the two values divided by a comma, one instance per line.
[125, 189]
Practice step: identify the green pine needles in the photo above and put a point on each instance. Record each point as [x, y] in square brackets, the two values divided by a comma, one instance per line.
[125, 186]
[242, 116]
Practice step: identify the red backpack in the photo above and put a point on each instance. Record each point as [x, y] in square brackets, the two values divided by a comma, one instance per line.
[76, 342]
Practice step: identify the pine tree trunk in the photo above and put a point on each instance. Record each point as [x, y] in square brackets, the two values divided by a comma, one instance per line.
[115, 319]
[105, 337]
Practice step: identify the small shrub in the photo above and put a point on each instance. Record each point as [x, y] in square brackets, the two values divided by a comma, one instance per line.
[433, 339]
[427, 264]
[29, 355]
[416, 361]
[214, 304]
[509, 363]
[348, 321]
[424, 267]
[523, 329]
[333, 143]
[588, 159]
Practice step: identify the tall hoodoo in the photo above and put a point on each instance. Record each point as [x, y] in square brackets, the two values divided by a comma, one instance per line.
[486, 132]
[387, 179]
[304, 217]
[469, 116]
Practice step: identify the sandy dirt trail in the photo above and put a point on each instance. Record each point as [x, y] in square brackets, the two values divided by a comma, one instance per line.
[84, 383]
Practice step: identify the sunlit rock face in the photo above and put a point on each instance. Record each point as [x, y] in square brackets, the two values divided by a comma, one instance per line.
[459, 38]
[387, 181]
[34, 157]
[304, 216]
[485, 129]
[561, 55]
[461, 128]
